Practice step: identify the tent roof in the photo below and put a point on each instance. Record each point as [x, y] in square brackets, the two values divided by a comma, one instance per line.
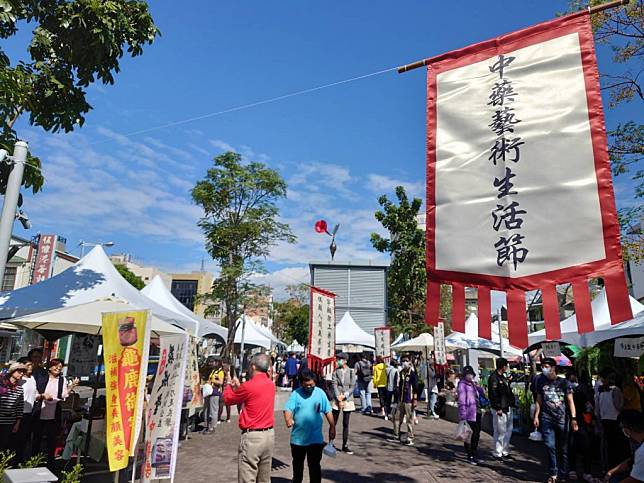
[418, 344]
[627, 328]
[348, 332]
[295, 347]
[471, 340]
[601, 320]
[157, 291]
[86, 318]
[254, 335]
[91, 278]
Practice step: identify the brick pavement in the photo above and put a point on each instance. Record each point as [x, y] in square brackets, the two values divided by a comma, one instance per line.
[436, 457]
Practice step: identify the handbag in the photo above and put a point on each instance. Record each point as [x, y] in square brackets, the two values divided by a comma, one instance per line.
[463, 432]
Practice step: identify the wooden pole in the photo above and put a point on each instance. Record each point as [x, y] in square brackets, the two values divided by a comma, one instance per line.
[591, 10]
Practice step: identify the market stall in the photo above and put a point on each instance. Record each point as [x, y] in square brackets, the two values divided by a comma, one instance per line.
[349, 336]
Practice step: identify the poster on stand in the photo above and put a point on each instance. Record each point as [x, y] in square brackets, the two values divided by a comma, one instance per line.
[82, 356]
[321, 349]
[163, 415]
[126, 341]
[382, 337]
[440, 352]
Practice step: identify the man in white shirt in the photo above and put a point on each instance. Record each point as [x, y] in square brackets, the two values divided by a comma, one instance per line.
[632, 423]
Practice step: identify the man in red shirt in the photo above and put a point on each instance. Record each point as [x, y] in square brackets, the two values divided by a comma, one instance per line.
[257, 397]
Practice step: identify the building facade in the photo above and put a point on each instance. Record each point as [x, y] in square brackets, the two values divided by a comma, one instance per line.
[145, 273]
[360, 288]
[187, 287]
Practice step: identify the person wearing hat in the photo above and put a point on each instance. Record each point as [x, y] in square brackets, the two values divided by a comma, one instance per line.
[11, 404]
[343, 382]
[469, 393]
[501, 402]
[554, 415]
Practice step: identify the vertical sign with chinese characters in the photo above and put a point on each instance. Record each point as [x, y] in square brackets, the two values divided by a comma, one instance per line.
[44, 258]
[321, 328]
[440, 353]
[382, 337]
[163, 414]
[126, 339]
[629, 347]
[193, 381]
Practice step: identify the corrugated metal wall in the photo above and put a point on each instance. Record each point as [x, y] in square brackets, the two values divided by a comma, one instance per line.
[361, 290]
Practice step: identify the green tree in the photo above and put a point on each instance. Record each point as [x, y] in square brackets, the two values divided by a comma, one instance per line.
[291, 321]
[74, 43]
[622, 31]
[127, 274]
[407, 277]
[241, 224]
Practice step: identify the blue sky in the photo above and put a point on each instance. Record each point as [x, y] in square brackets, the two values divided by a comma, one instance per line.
[338, 148]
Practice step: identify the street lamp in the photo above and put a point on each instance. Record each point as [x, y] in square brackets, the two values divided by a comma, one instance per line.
[84, 244]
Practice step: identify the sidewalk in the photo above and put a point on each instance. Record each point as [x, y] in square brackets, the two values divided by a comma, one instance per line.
[436, 456]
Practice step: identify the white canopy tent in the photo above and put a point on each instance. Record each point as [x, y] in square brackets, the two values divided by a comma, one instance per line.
[253, 334]
[156, 290]
[91, 278]
[424, 342]
[86, 318]
[601, 320]
[295, 347]
[347, 332]
[267, 332]
[628, 328]
[471, 340]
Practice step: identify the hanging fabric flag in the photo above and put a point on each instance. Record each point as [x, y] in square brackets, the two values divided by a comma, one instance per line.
[519, 190]
[321, 329]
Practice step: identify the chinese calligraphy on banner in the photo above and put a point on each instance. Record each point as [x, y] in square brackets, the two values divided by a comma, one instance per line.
[440, 352]
[126, 340]
[194, 398]
[629, 347]
[383, 341]
[44, 265]
[321, 329]
[164, 409]
[516, 139]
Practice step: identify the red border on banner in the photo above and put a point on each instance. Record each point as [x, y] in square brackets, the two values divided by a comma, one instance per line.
[383, 329]
[315, 362]
[611, 266]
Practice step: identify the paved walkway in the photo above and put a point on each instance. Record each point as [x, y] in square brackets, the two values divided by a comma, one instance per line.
[436, 457]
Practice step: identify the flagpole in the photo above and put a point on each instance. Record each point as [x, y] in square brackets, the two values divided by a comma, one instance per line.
[591, 10]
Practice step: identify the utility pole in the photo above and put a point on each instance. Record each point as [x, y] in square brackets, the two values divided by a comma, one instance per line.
[18, 161]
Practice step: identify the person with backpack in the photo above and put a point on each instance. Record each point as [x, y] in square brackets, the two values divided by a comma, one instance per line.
[364, 377]
[501, 402]
[582, 440]
[405, 399]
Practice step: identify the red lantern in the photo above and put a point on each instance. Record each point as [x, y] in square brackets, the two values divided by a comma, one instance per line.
[321, 226]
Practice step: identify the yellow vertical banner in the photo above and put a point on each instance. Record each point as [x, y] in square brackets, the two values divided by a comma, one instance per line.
[126, 341]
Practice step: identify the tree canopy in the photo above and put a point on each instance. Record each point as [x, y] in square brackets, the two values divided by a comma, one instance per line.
[134, 280]
[241, 224]
[74, 43]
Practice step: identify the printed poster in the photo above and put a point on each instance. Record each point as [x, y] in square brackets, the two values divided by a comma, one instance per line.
[440, 352]
[82, 355]
[383, 341]
[193, 398]
[163, 416]
[322, 327]
[126, 340]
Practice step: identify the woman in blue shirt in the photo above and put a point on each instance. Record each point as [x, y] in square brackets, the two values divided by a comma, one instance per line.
[303, 414]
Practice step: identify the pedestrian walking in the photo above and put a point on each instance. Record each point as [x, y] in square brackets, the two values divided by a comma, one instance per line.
[581, 442]
[303, 414]
[501, 401]
[47, 416]
[291, 370]
[209, 415]
[392, 383]
[380, 383]
[29, 391]
[405, 398]
[11, 404]
[469, 393]
[256, 421]
[229, 373]
[364, 376]
[343, 382]
[609, 402]
[432, 390]
[554, 415]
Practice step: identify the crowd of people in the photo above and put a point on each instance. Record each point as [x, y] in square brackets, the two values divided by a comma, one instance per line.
[571, 415]
[31, 398]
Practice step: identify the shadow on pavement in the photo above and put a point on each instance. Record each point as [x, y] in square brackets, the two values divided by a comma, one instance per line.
[347, 477]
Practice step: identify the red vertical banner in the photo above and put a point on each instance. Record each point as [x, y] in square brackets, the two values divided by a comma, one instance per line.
[458, 307]
[485, 313]
[551, 320]
[45, 258]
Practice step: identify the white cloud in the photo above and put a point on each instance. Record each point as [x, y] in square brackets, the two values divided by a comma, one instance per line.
[221, 145]
[384, 184]
[280, 279]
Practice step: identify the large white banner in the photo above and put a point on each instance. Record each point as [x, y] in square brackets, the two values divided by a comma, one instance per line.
[322, 326]
[163, 415]
[382, 337]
